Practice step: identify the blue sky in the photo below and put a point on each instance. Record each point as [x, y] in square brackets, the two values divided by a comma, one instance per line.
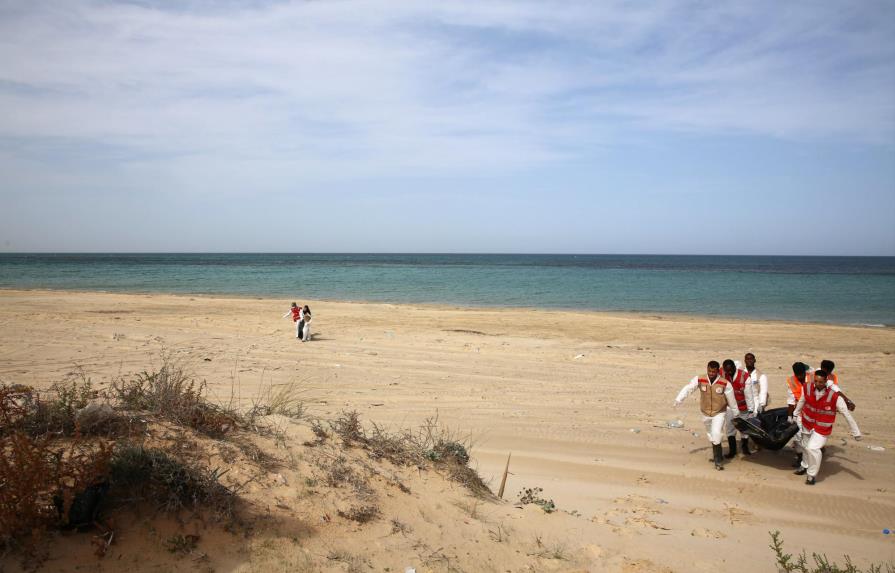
[479, 126]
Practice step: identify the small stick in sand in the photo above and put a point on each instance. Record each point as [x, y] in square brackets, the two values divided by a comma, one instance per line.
[503, 481]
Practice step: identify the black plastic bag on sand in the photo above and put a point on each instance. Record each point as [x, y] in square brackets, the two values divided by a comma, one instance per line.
[769, 429]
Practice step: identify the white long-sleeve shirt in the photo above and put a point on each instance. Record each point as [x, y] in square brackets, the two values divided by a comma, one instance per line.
[756, 398]
[694, 383]
[841, 407]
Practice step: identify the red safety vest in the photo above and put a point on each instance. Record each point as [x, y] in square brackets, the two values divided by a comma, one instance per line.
[739, 386]
[819, 414]
[296, 313]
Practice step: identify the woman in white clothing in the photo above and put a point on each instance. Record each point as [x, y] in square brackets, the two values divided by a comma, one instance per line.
[306, 323]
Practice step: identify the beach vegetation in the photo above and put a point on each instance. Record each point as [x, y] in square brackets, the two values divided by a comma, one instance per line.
[819, 563]
[170, 392]
[170, 484]
[532, 495]
[72, 454]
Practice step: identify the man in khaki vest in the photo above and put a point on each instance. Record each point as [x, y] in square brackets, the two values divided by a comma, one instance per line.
[715, 397]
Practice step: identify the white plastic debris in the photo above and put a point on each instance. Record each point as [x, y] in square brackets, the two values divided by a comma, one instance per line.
[635, 430]
[579, 357]
[675, 423]
[876, 448]
[409, 570]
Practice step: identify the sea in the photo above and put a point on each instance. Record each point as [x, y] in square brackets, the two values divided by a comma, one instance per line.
[841, 290]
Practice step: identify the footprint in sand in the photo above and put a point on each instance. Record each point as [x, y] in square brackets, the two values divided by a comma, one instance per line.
[709, 533]
[737, 515]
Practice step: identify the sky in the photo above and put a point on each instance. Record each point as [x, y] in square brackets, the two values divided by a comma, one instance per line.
[503, 126]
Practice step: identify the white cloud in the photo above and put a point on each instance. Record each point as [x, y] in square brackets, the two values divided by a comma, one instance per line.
[382, 87]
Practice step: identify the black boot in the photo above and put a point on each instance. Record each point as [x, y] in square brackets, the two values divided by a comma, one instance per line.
[798, 461]
[744, 445]
[732, 442]
[716, 450]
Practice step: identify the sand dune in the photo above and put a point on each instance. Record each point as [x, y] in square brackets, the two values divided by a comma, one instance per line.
[580, 399]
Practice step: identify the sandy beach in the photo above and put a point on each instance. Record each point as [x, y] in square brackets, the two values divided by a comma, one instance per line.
[581, 399]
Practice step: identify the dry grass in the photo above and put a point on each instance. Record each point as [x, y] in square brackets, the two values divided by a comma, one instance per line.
[283, 399]
[171, 393]
[430, 444]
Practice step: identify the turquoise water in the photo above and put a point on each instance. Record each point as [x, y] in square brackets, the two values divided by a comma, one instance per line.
[853, 290]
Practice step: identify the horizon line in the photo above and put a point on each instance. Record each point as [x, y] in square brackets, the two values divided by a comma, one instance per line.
[434, 253]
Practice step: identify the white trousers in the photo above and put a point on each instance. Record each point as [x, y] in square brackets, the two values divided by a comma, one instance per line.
[307, 331]
[714, 427]
[811, 443]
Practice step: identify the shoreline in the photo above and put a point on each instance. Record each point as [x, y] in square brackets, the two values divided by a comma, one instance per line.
[657, 315]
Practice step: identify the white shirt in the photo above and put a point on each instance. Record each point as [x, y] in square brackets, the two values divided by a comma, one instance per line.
[694, 383]
[756, 398]
[841, 407]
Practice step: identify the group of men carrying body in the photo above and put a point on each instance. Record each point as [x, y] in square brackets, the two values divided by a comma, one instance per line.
[730, 391]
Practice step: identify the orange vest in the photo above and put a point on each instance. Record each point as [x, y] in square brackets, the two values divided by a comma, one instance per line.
[796, 386]
[833, 377]
[819, 414]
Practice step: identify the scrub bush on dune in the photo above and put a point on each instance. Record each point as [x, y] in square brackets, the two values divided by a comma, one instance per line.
[170, 484]
[170, 392]
[40, 477]
[431, 443]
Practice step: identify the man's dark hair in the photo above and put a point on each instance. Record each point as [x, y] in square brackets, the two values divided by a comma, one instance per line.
[714, 364]
[749, 354]
[799, 368]
[827, 365]
[729, 362]
[822, 373]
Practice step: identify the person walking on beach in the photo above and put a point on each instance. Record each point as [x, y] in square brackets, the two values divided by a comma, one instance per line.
[738, 381]
[817, 410]
[715, 398]
[295, 311]
[756, 386]
[801, 379]
[305, 324]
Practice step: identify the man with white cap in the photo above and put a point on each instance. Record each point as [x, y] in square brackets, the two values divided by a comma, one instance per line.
[715, 398]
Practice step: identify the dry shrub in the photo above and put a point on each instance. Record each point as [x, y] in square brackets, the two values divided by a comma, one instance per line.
[170, 392]
[348, 427]
[360, 514]
[432, 443]
[168, 483]
[43, 481]
[51, 412]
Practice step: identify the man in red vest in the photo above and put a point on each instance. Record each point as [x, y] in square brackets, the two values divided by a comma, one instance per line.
[738, 380]
[817, 409]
